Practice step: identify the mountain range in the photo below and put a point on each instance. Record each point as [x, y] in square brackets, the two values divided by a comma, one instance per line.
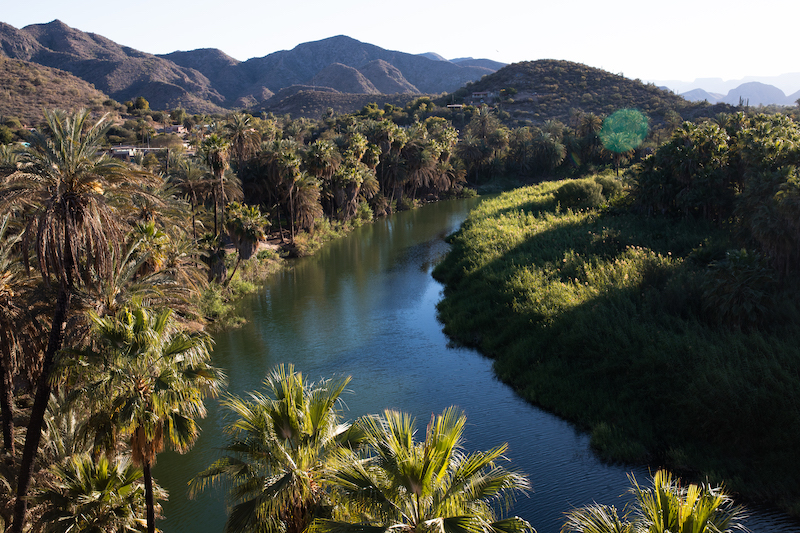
[337, 73]
[208, 80]
[755, 90]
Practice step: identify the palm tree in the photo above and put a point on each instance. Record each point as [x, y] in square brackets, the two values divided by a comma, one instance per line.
[93, 497]
[152, 380]
[64, 183]
[666, 507]
[419, 487]
[307, 201]
[279, 443]
[194, 182]
[246, 227]
[243, 137]
[216, 154]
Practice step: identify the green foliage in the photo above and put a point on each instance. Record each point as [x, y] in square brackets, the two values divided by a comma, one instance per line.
[402, 482]
[600, 316]
[740, 291]
[83, 495]
[624, 131]
[664, 507]
[580, 194]
[736, 169]
[6, 135]
[280, 441]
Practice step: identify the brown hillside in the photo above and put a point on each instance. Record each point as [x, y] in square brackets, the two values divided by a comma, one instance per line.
[553, 89]
[386, 78]
[28, 88]
[344, 79]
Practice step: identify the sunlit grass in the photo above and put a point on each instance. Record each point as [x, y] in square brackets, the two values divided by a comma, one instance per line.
[597, 315]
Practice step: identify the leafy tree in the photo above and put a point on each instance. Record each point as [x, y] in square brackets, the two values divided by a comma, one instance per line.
[20, 331]
[215, 151]
[246, 226]
[622, 133]
[280, 442]
[402, 484]
[243, 137]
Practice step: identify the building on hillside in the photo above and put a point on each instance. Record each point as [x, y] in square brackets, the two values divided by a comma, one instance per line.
[179, 129]
[482, 97]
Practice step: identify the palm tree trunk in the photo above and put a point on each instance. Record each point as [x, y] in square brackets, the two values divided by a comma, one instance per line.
[221, 202]
[7, 402]
[42, 397]
[148, 497]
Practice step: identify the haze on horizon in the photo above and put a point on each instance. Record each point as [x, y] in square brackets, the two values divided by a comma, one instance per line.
[682, 40]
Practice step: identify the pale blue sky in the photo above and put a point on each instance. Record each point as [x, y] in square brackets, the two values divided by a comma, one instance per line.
[681, 39]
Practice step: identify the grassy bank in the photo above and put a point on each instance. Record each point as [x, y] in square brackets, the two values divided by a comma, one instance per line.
[598, 316]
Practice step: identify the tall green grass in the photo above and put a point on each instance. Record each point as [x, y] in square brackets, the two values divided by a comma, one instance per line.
[598, 315]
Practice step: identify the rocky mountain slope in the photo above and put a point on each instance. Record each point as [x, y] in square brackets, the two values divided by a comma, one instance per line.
[536, 91]
[26, 88]
[207, 80]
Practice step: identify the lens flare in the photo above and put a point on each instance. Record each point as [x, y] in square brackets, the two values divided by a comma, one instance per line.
[623, 131]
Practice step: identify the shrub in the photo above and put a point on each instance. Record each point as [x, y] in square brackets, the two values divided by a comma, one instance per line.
[611, 185]
[580, 194]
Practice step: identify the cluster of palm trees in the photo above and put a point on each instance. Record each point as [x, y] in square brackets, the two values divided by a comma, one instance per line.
[293, 465]
[102, 338]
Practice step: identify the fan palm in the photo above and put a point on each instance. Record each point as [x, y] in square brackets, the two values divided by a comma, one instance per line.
[64, 182]
[426, 486]
[216, 154]
[196, 183]
[93, 497]
[243, 137]
[246, 227]
[279, 443]
[665, 507]
[152, 379]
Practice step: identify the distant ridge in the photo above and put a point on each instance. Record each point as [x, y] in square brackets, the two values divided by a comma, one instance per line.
[208, 80]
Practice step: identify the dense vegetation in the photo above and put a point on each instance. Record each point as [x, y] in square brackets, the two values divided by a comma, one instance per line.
[662, 318]
[112, 270]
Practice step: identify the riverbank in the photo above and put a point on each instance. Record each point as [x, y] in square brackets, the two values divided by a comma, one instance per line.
[218, 300]
[596, 315]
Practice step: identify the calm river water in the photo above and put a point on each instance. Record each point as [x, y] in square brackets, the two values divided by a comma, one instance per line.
[365, 307]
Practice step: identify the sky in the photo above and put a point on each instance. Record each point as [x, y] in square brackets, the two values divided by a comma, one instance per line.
[651, 41]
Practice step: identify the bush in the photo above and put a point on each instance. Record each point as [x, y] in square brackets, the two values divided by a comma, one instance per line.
[611, 185]
[585, 193]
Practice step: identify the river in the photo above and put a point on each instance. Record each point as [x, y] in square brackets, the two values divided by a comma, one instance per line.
[364, 306]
